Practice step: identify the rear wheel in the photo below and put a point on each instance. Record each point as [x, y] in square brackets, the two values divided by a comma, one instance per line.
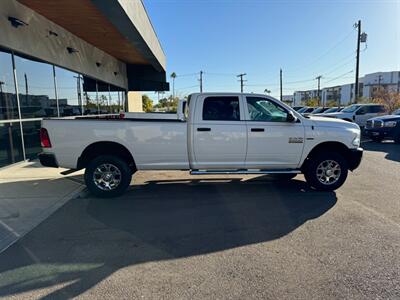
[326, 171]
[107, 176]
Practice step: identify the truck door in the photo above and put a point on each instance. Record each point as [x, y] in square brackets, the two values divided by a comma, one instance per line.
[219, 133]
[363, 114]
[273, 142]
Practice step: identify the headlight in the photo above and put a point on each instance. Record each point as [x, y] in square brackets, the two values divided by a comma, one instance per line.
[356, 141]
[390, 124]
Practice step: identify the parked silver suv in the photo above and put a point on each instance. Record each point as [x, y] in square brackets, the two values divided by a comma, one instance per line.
[359, 113]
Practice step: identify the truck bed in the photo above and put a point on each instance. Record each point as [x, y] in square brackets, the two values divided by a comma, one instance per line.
[144, 138]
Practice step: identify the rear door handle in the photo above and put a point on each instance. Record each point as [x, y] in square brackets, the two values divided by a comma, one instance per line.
[257, 129]
[203, 129]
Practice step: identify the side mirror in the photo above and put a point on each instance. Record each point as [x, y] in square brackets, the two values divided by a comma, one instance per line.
[291, 117]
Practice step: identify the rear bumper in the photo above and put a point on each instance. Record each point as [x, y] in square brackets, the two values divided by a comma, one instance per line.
[355, 158]
[48, 160]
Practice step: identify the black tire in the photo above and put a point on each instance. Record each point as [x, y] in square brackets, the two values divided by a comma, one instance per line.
[312, 170]
[376, 139]
[123, 175]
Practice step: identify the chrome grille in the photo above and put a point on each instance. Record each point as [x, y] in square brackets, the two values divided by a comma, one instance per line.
[374, 124]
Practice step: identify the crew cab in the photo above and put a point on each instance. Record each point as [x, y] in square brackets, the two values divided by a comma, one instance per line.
[358, 113]
[384, 127]
[220, 133]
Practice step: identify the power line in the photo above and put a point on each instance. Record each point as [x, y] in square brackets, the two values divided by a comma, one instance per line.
[340, 76]
[220, 74]
[187, 87]
[326, 52]
[186, 75]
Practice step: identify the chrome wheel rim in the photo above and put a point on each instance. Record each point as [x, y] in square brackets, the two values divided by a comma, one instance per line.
[328, 172]
[107, 177]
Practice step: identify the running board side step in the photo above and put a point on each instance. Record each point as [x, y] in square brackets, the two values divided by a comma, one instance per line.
[243, 172]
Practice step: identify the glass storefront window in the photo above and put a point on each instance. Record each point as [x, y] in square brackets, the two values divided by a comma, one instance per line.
[90, 103]
[104, 103]
[35, 88]
[115, 102]
[37, 98]
[31, 131]
[69, 89]
[11, 143]
[8, 99]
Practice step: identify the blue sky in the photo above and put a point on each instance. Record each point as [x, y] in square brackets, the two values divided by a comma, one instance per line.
[304, 38]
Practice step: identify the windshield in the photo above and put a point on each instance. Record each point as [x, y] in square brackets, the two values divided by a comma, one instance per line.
[351, 108]
[318, 110]
[332, 109]
[301, 110]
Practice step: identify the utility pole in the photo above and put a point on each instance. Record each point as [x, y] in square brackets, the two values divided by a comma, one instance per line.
[358, 26]
[280, 79]
[379, 81]
[319, 96]
[241, 81]
[201, 81]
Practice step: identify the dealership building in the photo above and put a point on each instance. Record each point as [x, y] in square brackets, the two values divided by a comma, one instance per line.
[68, 58]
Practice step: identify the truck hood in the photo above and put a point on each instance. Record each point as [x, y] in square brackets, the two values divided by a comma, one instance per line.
[387, 118]
[332, 122]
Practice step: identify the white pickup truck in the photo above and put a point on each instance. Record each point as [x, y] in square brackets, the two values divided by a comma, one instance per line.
[219, 133]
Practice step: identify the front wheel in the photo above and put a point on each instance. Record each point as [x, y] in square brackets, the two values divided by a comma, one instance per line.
[326, 171]
[107, 176]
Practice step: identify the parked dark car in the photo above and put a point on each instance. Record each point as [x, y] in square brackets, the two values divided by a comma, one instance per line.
[306, 110]
[319, 110]
[333, 109]
[296, 108]
[384, 127]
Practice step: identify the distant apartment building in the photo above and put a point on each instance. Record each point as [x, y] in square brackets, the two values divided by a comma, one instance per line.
[388, 81]
[343, 94]
[300, 97]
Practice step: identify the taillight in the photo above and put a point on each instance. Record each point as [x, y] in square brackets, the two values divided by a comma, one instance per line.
[44, 138]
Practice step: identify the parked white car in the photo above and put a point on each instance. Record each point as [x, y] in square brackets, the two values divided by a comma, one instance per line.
[358, 113]
[220, 133]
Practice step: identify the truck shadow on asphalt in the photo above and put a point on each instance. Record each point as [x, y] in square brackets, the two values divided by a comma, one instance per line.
[87, 240]
[391, 149]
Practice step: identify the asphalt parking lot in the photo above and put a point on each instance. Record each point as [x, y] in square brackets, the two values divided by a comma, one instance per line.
[173, 236]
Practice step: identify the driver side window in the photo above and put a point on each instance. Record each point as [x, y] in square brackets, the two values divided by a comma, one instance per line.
[363, 110]
[262, 109]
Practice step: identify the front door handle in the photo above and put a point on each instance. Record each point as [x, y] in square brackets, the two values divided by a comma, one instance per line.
[203, 129]
[257, 129]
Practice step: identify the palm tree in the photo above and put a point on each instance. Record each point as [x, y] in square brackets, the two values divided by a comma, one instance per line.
[173, 76]
[267, 91]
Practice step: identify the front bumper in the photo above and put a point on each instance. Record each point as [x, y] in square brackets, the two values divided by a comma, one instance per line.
[355, 158]
[48, 160]
[382, 132]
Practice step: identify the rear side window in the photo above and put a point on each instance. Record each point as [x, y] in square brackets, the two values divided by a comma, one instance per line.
[221, 109]
[377, 109]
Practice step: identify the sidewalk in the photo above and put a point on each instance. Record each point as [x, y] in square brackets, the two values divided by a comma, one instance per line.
[29, 193]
